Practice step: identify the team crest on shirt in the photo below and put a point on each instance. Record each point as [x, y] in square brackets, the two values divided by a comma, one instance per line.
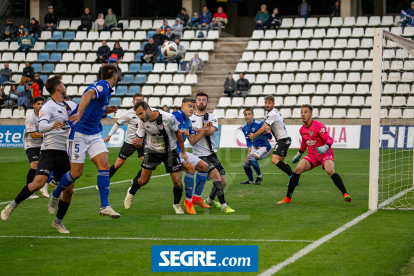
[253, 129]
[76, 156]
[310, 133]
[161, 127]
[99, 88]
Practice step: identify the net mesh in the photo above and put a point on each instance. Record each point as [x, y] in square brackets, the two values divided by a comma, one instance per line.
[397, 124]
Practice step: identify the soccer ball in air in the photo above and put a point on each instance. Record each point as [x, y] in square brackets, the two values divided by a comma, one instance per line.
[169, 49]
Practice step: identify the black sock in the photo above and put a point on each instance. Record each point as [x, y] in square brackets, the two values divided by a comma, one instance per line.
[112, 171]
[293, 182]
[24, 193]
[62, 209]
[219, 191]
[338, 182]
[30, 176]
[135, 187]
[138, 174]
[177, 195]
[284, 167]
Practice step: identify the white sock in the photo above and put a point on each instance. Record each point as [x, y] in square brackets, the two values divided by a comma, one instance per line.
[223, 205]
[259, 176]
[210, 201]
[189, 199]
[45, 187]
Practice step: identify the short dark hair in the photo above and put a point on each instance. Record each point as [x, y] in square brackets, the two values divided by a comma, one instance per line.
[308, 106]
[141, 103]
[248, 109]
[138, 95]
[52, 83]
[109, 71]
[202, 94]
[269, 98]
[188, 100]
[38, 98]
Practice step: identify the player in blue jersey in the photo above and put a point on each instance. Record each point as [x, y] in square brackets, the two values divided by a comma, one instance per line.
[259, 148]
[85, 138]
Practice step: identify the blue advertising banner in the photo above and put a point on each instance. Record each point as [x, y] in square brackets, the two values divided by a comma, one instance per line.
[391, 137]
[204, 258]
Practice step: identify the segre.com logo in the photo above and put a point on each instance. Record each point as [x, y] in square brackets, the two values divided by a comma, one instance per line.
[206, 258]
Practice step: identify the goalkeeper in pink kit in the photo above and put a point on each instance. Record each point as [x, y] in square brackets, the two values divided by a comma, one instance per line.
[318, 142]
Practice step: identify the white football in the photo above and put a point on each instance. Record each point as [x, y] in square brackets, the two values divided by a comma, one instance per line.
[169, 49]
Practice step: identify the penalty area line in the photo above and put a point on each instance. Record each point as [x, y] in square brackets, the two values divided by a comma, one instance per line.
[93, 186]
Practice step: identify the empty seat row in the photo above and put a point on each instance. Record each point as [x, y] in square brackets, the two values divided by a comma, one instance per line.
[133, 24]
[337, 21]
[164, 79]
[313, 43]
[304, 66]
[308, 55]
[283, 89]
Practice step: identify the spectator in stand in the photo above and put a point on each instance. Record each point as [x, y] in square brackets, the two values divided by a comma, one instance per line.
[242, 86]
[39, 82]
[177, 28]
[25, 98]
[159, 38]
[5, 74]
[170, 36]
[103, 53]
[165, 108]
[219, 20]
[51, 20]
[13, 97]
[8, 31]
[183, 16]
[26, 42]
[164, 26]
[99, 23]
[408, 16]
[117, 50]
[150, 52]
[86, 21]
[35, 89]
[3, 97]
[34, 29]
[20, 32]
[110, 21]
[196, 64]
[262, 17]
[28, 74]
[99, 75]
[336, 9]
[275, 19]
[229, 86]
[205, 19]
[304, 10]
[194, 20]
[180, 53]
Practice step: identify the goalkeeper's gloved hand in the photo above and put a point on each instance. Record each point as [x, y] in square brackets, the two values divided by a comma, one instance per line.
[296, 158]
[323, 149]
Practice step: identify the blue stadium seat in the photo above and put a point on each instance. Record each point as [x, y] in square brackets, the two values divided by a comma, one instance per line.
[140, 79]
[69, 35]
[63, 46]
[121, 90]
[43, 57]
[134, 67]
[37, 67]
[20, 88]
[115, 101]
[128, 78]
[57, 35]
[146, 67]
[50, 46]
[43, 78]
[48, 68]
[55, 57]
[134, 89]
[150, 34]
[143, 45]
[138, 57]
[76, 100]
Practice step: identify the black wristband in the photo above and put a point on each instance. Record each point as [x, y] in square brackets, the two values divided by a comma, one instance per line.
[329, 145]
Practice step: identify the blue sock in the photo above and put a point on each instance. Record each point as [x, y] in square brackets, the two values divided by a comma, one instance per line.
[200, 182]
[255, 165]
[189, 185]
[51, 176]
[248, 171]
[103, 185]
[64, 182]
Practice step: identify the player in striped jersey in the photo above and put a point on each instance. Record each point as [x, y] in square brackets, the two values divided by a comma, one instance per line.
[206, 150]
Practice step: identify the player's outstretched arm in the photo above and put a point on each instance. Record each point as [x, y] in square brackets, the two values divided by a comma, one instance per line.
[85, 100]
[193, 139]
[259, 132]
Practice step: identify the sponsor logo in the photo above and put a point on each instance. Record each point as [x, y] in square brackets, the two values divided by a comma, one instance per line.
[60, 111]
[310, 142]
[42, 113]
[288, 142]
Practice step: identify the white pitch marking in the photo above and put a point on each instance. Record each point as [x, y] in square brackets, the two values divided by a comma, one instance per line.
[153, 239]
[316, 244]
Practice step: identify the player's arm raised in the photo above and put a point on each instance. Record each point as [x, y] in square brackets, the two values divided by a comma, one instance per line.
[85, 100]
[121, 121]
[193, 139]
[328, 140]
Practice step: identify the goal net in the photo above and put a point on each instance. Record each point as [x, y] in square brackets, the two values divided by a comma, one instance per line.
[392, 123]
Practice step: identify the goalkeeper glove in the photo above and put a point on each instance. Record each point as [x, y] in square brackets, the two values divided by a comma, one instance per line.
[323, 149]
[296, 158]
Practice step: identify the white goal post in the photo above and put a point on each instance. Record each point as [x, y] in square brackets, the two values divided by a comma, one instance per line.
[391, 182]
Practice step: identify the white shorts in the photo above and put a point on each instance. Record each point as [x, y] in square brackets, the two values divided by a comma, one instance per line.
[261, 152]
[82, 144]
[191, 158]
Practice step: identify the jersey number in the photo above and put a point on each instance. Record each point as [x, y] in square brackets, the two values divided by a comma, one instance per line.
[76, 148]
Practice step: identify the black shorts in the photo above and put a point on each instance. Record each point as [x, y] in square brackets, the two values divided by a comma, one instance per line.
[53, 160]
[170, 159]
[213, 163]
[126, 151]
[282, 146]
[33, 154]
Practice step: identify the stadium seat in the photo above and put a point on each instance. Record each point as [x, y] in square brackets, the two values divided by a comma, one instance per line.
[231, 114]
[45, 35]
[219, 113]
[303, 100]
[178, 101]
[147, 90]
[237, 102]
[294, 33]
[172, 90]
[18, 114]
[57, 35]
[286, 112]
[408, 113]
[296, 89]
[191, 79]
[281, 89]
[168, 101]
[301, 77]
[325, 22]
[153, 78]
[48, 68]
[185, 90]
[290, 44]
[337, 22]
[116, 101]
[387, 20]
[345, 32]
[160, 90]
[315, 77]
[282, 34]
[399, 101]
[290, 100]
[69, 35]
[403, 88]
[331, 100]
[64, 24]
[367, 42]
[258, 34]
[178, 79]
[5, 113]
[325, 113]
[319, 33]
[171, 68]
[340, 77]
[287, 22]
[278, 44]
[332, 32]
[302, 44]
[317, 100]
[270, 34]
[394, 113]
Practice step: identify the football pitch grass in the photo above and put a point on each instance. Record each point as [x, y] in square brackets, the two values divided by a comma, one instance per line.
[381, 244]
